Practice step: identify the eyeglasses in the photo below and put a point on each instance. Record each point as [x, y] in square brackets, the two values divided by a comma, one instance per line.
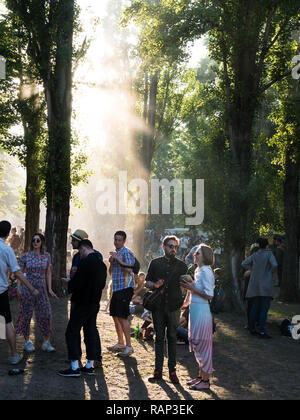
[36, 240]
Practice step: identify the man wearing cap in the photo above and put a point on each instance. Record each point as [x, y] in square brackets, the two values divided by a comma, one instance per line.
[77, 237]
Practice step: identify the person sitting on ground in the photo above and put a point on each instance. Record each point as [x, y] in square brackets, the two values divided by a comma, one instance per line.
[109, 295]
[138, 295]
[146, 331]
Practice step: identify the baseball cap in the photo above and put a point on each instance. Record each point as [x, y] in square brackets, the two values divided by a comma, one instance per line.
[79, 235]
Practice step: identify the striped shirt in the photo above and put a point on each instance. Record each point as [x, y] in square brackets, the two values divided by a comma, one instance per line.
[120, 278]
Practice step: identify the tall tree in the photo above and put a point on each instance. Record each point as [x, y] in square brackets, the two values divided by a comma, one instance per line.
[20, 93]
[244, 36]
[49, 26]
[286, 116]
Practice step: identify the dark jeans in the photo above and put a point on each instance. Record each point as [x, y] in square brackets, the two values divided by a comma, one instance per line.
[183, 334]
[83, 316]
[165, 321]
[259, 310]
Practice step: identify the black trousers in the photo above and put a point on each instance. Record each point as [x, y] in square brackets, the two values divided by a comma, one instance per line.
[99, 349]
[82, 316]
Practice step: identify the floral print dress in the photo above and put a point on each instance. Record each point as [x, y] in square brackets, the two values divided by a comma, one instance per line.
[35, 267]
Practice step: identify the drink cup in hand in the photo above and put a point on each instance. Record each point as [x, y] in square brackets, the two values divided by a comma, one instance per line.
[186, 278]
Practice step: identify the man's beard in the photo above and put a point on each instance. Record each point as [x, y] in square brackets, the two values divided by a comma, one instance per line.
[170, 256]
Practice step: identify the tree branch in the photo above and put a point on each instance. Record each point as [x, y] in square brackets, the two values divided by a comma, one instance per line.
[278, 79]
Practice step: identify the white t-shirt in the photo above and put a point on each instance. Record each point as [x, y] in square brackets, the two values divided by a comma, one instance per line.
[204, 282]
[7, 261]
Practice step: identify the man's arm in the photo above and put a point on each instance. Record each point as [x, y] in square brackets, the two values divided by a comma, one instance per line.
[78, 281]
[151, 281]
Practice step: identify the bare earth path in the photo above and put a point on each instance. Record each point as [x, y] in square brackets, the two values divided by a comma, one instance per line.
[244, 367]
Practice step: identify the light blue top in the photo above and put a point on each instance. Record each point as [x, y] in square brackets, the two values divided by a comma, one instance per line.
[8, 261]
[204, 282]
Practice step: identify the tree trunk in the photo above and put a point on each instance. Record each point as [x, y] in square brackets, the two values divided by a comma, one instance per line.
[31, 111]
[58, 91]
[146, 153]
[32, 218]
[289, 289]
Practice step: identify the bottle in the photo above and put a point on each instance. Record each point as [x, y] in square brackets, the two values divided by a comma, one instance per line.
[136, 332]
[15, 372]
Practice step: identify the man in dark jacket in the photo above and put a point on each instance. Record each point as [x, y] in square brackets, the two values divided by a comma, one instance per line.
[166, 271]
[86, 288]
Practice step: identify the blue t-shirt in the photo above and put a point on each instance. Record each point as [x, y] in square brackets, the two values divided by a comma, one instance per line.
[76, 258]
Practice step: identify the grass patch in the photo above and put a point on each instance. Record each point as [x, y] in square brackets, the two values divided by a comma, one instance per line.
[280, 310]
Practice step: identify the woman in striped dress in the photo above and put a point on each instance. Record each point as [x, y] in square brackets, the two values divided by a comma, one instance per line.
[201, 322]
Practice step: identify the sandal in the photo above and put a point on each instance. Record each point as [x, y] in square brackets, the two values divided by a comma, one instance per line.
[194, 381]
[200, 386]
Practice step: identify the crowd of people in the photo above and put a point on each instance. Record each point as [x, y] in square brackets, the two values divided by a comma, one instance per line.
[186, 286]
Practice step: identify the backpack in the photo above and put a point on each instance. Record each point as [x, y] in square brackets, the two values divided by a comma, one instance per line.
[217, 301]
[136, 266]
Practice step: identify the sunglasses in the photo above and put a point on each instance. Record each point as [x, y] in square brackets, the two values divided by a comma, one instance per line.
[36, 240]
[172, 246]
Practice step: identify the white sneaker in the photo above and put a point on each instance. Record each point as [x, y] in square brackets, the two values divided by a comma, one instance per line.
[28, 346]
[14, 360]
[47, 347]
[126, 352]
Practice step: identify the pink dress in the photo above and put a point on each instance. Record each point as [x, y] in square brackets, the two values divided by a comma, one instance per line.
[36, 266]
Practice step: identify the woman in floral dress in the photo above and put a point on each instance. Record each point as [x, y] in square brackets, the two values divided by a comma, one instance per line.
[37, 266]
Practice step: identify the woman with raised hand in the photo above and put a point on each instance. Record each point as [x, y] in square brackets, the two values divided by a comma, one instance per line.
[37, 265]
[201, 321]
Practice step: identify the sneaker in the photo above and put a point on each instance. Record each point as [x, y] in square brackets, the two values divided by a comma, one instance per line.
[173, 376]
[117, 347]
[128, 350]
[14, 360]
[156, 376]
[70, 373]
[28, 347]
[47, 347]
[90, 371]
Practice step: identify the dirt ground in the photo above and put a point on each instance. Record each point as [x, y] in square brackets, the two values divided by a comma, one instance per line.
[245, 368]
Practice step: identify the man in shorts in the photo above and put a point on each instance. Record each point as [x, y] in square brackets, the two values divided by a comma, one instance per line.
[123, 289]
[8, 261]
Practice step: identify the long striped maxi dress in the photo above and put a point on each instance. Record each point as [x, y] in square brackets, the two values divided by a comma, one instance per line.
[201, 322]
